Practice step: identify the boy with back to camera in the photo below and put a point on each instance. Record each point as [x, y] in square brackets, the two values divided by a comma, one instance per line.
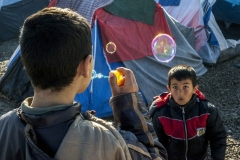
[56, 53]
[184, 121]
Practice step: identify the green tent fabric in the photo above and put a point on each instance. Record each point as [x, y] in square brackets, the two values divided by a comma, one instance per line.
[138, 10]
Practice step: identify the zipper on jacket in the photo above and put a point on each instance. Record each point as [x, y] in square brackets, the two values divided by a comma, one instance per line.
[185, 129]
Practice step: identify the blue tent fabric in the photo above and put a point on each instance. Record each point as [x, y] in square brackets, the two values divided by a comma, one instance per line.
[96, 96]
[14, 56]
[169, 2]
[227, 10]
[212, 40]
[13, 13]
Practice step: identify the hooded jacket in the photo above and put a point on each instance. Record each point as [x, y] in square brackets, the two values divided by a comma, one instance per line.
[185, 131]
[67, 134]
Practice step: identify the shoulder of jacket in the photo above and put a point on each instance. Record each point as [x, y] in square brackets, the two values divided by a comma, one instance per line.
[10, 116]
[158, 110]
[207, 105]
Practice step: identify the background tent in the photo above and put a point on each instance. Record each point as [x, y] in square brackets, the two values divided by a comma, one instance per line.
[151, 74]
[189, 13]
[13, 13]
[83, 7]
[210, 43]
[227, 14]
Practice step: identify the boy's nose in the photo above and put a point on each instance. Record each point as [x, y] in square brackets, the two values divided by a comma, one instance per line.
[181, 91]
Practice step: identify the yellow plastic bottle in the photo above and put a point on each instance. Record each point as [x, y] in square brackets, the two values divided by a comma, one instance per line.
[120, 78]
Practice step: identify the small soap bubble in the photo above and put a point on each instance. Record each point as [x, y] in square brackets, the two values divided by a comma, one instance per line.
[97, 75]
[163, 47]
[111, 47]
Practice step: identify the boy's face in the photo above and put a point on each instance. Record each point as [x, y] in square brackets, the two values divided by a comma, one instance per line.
[181, 91]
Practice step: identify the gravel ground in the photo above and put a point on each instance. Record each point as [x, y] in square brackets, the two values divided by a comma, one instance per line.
[221, 85]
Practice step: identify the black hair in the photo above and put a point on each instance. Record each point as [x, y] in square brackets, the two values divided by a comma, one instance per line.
[53, 42]
[181, 72]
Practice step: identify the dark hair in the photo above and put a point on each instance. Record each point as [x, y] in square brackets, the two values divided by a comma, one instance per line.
[181, 72]
[53, 42]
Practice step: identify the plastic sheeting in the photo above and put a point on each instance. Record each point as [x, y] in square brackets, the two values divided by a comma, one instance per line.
[209, 40]
[190, 14]
[137, 35]
[150, 74]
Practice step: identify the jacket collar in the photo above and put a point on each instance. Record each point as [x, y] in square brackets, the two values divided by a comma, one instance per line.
[187, 106]
[165, 98]
[50, 118]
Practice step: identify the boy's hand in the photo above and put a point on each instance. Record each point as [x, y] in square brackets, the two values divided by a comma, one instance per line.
[130, 84]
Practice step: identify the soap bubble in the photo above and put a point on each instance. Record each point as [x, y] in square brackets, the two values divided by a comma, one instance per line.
[163, 47]
[97, 75]
[111, 47]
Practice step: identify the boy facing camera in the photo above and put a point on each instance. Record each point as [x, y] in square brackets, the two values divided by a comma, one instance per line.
[184, 121]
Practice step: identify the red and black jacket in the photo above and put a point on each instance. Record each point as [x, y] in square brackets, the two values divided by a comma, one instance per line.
[185, 131]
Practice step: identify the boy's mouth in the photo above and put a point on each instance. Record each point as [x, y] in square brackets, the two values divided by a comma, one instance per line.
[180, 99]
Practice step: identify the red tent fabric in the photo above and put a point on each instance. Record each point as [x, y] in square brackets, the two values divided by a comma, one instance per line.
[52, 3]
[132, 39]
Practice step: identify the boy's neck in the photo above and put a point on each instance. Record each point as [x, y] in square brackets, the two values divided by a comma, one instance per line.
[46, 98]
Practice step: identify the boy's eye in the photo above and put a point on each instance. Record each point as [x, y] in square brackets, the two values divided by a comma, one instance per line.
[185, 87]
[174, 87]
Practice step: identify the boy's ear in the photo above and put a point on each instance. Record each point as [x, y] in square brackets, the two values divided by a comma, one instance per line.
[195, 88]
[85, 66]
[88, 66]
[168, 88]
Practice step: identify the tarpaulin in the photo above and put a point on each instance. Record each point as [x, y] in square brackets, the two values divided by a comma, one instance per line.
[131, 38]
[137, 10]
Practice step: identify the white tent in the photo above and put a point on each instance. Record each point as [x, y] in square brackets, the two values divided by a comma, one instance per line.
[209, 40]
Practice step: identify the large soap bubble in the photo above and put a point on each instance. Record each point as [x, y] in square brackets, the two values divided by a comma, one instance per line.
[163, 47]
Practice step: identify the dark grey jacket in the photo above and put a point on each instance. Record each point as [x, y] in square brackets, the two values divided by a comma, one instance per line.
[25, 136]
